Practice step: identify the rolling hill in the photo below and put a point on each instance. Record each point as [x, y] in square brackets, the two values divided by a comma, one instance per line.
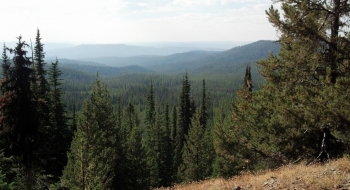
[223, 62]
[119, 50]
[204, 63]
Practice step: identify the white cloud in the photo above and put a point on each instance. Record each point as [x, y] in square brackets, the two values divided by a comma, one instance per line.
[117, 21]
[189, 3]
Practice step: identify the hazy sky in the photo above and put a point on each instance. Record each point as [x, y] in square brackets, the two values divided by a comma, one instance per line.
[121, 21]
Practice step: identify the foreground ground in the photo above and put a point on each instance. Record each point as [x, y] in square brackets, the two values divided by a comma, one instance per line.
[331, 175]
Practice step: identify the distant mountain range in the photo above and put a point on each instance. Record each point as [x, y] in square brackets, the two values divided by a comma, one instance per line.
[119, 50]
[230, 61]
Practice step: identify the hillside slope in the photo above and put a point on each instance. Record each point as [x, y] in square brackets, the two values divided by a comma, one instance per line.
[151, 60]
[85, 51]
[223, 62]
[332, 175]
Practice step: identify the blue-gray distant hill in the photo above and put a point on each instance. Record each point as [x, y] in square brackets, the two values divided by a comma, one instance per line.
[236, 59]
[117, 50]
[204, 63]
[222, 62]
[93, 68]
[149, 61]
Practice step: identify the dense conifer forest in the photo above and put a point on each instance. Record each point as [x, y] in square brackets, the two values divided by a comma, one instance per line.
[69, 124]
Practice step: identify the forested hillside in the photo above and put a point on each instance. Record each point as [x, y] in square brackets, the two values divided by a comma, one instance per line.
[86, 51]
[230, 61]
[74, 124]
[223, 71]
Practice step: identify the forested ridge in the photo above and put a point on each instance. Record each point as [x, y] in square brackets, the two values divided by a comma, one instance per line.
[76, 126]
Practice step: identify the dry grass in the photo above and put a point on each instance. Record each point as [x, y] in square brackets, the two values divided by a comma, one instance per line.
[331, 175]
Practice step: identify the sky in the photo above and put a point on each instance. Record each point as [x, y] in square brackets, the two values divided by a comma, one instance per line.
[122, 21]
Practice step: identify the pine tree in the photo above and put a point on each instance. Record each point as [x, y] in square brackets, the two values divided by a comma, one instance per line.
[120, 160]
[194, 163]
[174, 124]
[42, 86]
[248, 79]
[228, 160]
[60, 135]
[73, 126]
[131, 163]
[158, 144]
[308, 76]
[137, 164]
[19, 117]
[166, 169]
[152, 139]
[232, 147]
[186, 111]
[203, 107]
[5, 169]
[90, 164]
[198, 150]
[205, 120]
[5, 69]
[304, 95]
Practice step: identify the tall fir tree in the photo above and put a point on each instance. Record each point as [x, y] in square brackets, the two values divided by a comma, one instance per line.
[40, 87]
[248, 79]
[73, 126]
[308, 76]
[19, 116]
[185, 113]
[166, 169]
[174, 124]
[90, 160]
[198, 153]
[131, 163]
[194, 163]
[303, 102]
[41, 83]
[228, 160]
[5, 65]
[205, 120]
[233, 152]
[151, 139]
[204, 116]
[59, 132]
[137, 164]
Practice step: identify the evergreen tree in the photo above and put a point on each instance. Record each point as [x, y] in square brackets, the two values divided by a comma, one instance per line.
[203, 107]
[194, 163]
[120, 160]
[166, 169]
[205, 121]
[228, 160]
[232, 147]
[5, 69]
[131, 163]
[59, 133]
[158, 143]
[73, 127]
[248, 80]
[304, 99]
[5, 169]
[41, 85]
[308, 76]
[174, 124]
[19, 116]
[152, 139]
[186, 111]
[136, 163]
[198, 151]
[90, 160]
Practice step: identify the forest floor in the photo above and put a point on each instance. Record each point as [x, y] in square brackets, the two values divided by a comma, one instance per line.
[331, 175]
